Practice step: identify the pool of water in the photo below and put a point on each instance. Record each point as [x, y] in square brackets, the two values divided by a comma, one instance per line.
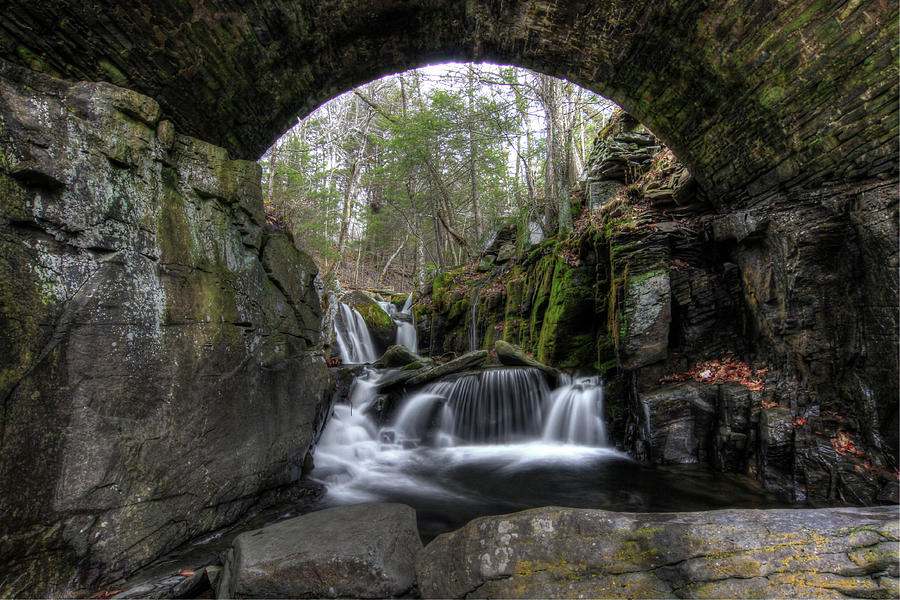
[450, 486]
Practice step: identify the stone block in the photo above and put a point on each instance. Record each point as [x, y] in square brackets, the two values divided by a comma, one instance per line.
[359, 551]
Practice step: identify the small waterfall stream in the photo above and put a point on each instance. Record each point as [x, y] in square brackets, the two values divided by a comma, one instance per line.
[403, 319]
[353, 339]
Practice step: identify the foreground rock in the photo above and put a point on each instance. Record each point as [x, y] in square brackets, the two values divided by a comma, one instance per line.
[361, 551]
[566, 553]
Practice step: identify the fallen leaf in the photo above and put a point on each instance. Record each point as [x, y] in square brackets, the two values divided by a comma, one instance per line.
[798, 422]
[769, 404]
[843, 445]
[185, 572]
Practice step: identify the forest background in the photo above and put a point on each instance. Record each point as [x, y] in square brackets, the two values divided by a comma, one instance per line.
[412, 172]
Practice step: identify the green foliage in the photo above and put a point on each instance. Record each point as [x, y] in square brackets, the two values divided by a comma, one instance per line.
[416, 168]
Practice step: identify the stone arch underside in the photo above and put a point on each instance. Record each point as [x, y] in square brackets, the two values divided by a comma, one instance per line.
[753, 95]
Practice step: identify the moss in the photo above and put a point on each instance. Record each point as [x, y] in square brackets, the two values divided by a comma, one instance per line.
[459, 308]
[421, 311]
[24, 306]
[398, 300]
[113, 73]
[34, 61]
[375, 317]
[13, 199]
[567, 334]
[441, 283]
[541, 283]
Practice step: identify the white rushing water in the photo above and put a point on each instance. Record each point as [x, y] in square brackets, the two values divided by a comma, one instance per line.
[506, 419]
[573, 416]
[353, 339]
[403, 319]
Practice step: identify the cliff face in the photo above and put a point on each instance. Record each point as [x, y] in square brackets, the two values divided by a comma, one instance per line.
[795, 295]
[154, 336]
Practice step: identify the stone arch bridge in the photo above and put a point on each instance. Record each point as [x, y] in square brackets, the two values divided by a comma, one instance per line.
[752, 95]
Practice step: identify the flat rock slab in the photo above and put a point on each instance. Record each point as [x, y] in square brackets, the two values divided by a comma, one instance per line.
[360, 551]
[574, 553]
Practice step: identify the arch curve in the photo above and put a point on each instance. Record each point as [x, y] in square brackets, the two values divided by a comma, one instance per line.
[753, 95]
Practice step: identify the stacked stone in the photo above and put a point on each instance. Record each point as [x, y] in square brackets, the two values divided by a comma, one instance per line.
[617, 159]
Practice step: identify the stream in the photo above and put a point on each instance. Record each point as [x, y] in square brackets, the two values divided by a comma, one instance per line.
[494, 441]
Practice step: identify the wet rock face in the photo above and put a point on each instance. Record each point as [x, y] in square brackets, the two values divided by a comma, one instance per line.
[153, 337]
[570, 553]
[718, 81]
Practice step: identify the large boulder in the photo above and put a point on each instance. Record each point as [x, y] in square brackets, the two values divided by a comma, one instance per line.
[681, 422]
[399, 356]
[646, 316]
[360, 551]
[576, 553]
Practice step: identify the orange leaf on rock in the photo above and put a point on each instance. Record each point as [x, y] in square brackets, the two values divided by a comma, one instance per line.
[843, 445]
[185, 572]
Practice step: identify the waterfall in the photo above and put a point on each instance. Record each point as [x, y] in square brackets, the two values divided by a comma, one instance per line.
[469, 444]
[502, 406]
[353, 339]
[493, 442]
[403, 319]
[473, 322]
[496, 406]
[576, 414]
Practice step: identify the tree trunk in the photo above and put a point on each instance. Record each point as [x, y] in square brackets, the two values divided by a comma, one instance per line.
[473, 154]
[445, 194]
[437, 232]
[273, 164]
[391, 259]
[558, 170]
[355, 168]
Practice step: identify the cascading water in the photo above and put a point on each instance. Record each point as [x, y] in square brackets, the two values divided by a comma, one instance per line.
[403, 319]
[576, 414]
[353, 339]
[452, 430]
[492, 442]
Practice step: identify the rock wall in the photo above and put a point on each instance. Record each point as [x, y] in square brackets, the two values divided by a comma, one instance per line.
[800, 290]
[159, 370]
